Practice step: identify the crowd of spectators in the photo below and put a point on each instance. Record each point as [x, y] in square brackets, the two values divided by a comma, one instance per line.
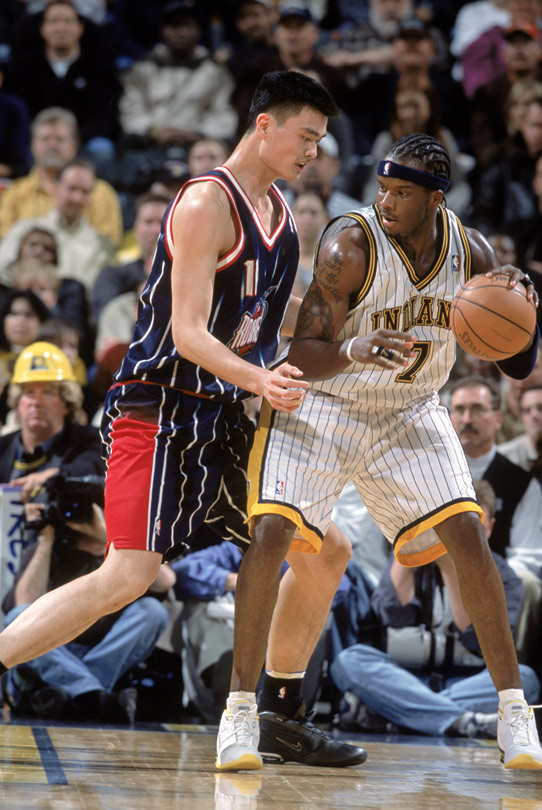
[108, 106]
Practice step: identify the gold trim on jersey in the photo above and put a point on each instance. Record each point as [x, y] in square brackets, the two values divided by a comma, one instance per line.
[418, 282]
[305, 538]
[431, 553]
[466, 248]
[373, 254]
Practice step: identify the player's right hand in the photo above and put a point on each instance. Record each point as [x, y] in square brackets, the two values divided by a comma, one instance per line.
[283, 388]
[383, 347]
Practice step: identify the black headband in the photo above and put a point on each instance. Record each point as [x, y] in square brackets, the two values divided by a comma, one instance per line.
[387, 168]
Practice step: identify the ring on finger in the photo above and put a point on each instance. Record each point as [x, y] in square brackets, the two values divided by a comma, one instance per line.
[381, 351]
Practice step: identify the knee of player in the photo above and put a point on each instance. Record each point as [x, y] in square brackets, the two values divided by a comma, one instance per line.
[463, 536]
[116, 589]
[272, 534]
[336, 547]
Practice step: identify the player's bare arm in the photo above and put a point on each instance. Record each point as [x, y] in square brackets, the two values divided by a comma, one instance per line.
[290, 319]
[203, 230]
[485, 261]
[339, 274]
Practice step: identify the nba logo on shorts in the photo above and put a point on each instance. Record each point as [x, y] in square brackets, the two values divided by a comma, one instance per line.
[279, 488]
[157, 527]
[456, 264]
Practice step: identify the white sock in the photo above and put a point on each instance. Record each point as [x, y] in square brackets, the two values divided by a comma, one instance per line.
[240, 697]
[508, 695]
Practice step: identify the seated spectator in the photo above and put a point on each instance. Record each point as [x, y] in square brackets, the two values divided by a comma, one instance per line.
[48, 439]
[54, 144]
[321, 175]
[82, 251]
[511, 391]
[519, 97]
[21, 316]
[296, 36]
[433, 670]
[116, 280]
[14, 136]
[416, 109]
[177, 93]
[203, 155]
[531, 232]
[206, 154]
[477, 43]
[523, 450]
[414, 65]
[517, 533]
[255, 21]
[522, 57]
[64, 335]
[77, 680]
[138, 22]
[66, 72]
[503, 198]
[311, 216]
[64, 297]
[116, 322]
[365, 46]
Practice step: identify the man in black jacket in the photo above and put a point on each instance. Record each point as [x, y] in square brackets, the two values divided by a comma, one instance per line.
[517, 534]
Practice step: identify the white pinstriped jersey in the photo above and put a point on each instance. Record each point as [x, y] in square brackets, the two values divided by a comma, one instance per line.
[402, 301]
[382, 429]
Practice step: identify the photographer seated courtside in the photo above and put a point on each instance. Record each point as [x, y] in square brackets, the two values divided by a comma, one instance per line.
[57, 464]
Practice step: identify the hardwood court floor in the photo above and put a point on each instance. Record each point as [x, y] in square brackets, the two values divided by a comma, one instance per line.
[71, 767]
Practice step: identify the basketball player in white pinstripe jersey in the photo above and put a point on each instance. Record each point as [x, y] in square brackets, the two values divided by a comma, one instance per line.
[373, 338]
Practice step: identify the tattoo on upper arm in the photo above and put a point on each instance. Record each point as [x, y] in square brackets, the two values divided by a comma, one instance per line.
[328, 276]
[315, 310]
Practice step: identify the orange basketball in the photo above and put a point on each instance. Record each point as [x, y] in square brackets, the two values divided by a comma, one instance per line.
[491, 320]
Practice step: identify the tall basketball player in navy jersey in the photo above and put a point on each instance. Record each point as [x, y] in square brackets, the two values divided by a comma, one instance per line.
[174, 430]
[374, 338]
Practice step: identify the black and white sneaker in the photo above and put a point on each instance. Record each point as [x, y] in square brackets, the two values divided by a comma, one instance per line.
[284, 739]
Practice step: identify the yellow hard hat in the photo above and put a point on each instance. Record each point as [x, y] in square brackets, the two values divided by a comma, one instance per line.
[42, 362]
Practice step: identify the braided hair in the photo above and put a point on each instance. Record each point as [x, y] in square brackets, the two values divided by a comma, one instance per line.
[427, 152]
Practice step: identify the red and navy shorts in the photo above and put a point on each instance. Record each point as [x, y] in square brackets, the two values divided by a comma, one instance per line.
[176, 464]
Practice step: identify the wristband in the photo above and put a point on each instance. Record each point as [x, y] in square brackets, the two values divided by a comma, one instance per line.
[347, 351]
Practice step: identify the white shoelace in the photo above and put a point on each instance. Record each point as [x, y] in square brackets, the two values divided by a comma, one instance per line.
[519, 723]
[242, 728]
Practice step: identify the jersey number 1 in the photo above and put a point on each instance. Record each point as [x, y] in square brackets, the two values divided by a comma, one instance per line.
[251, 277]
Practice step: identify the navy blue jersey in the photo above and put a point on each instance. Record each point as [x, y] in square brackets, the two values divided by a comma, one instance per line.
[251, 290]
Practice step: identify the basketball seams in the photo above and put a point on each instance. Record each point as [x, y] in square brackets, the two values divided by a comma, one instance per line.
[488, 322]
[485, 308]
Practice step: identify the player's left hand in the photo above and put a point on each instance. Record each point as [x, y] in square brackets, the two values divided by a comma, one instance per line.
[516, 275]
[283, 388]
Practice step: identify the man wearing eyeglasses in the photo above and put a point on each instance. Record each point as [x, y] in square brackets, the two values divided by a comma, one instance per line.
[476, 417]
[517, 534]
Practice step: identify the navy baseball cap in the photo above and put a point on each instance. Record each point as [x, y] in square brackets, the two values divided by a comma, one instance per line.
[178, 9]
[413, 27]
[295, 11]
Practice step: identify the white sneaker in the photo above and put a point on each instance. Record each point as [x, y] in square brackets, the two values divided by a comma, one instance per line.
[517, 737]
[238, 738]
